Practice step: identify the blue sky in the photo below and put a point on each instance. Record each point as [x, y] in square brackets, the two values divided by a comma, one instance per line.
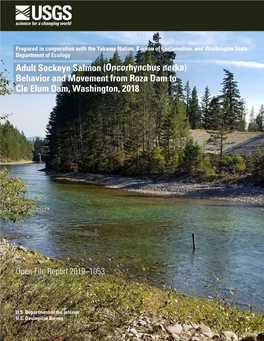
[30, 112]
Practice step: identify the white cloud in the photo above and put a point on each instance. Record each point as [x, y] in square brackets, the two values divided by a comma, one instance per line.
[125, 37]
[167, 37]
[237, 63]
[204, 37]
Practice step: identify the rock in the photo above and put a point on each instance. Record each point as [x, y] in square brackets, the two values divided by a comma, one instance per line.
[119, 331]
[40, 261]
[230, 335]
[176, 329]
[250, 337]
[16, 256]
[203, 329]
[150, 328]
[209, 335]
[158, 328]
[260, 337]
[194, 338]
[22, 248]
[174, 337]
[186, 327]
[142, 329]
[141, 323]
[147, 337]
[188, 333]
[134, 332]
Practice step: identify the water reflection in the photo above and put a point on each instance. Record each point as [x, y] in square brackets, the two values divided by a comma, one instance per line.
[154, 233]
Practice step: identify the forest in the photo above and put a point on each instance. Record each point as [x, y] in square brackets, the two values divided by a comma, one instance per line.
[144, 132]
[14, 145]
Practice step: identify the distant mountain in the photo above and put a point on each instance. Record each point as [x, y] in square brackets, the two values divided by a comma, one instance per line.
[33, 138]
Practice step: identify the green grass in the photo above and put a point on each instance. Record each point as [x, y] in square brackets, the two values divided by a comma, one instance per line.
[105, 303]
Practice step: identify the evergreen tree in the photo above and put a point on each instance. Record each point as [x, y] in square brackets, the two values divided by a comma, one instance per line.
[230, 88]
[164, 91]
[194, 111]
[260, 118]
[252, 126]
[40, 148]
[192, 154]
[165, 61]
[14, 202]
[205, 108]
[174, 133]
[214, 109]
[221, 126]
[157, 162]
[187, 91]
[242, 113]
[179, 92]
[14, 145]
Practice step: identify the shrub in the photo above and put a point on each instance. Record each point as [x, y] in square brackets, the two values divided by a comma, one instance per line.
[104, 302]
[205, 169]
[238, 164]
[255, 164]
[157, 161]
[192, 155]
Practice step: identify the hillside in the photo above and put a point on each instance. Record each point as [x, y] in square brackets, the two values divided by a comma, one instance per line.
[238, 142]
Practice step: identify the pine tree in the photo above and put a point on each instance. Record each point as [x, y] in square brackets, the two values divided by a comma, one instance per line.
[175, 130]
[120, 131]
[192, 155]
[214, 109]
[179, 90]
[221, 126]
[205, 108]
[14, 145]
[230, 87]
[187, 91]
[252, 126]
[260, 118]
[194, 111]
[242, 113]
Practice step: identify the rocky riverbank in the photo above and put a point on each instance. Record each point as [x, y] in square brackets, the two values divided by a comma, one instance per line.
[141, 327]
[22, 162]
[167, 186]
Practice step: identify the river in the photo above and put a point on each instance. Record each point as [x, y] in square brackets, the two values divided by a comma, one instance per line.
[150, 236]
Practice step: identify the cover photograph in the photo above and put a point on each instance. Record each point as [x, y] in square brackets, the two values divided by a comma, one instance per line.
[131, 173]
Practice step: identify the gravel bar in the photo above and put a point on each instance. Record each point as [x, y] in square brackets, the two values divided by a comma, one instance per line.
[171, 188]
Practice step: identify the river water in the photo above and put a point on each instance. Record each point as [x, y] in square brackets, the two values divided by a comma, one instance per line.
[149, 236]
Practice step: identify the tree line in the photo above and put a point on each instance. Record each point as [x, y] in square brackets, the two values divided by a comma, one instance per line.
[14, 202]
[140, 132]
[14, 144]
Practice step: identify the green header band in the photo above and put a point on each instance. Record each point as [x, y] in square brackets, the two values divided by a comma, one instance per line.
[131, 15]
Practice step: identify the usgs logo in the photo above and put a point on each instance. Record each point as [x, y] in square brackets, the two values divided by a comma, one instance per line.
[46, 12]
